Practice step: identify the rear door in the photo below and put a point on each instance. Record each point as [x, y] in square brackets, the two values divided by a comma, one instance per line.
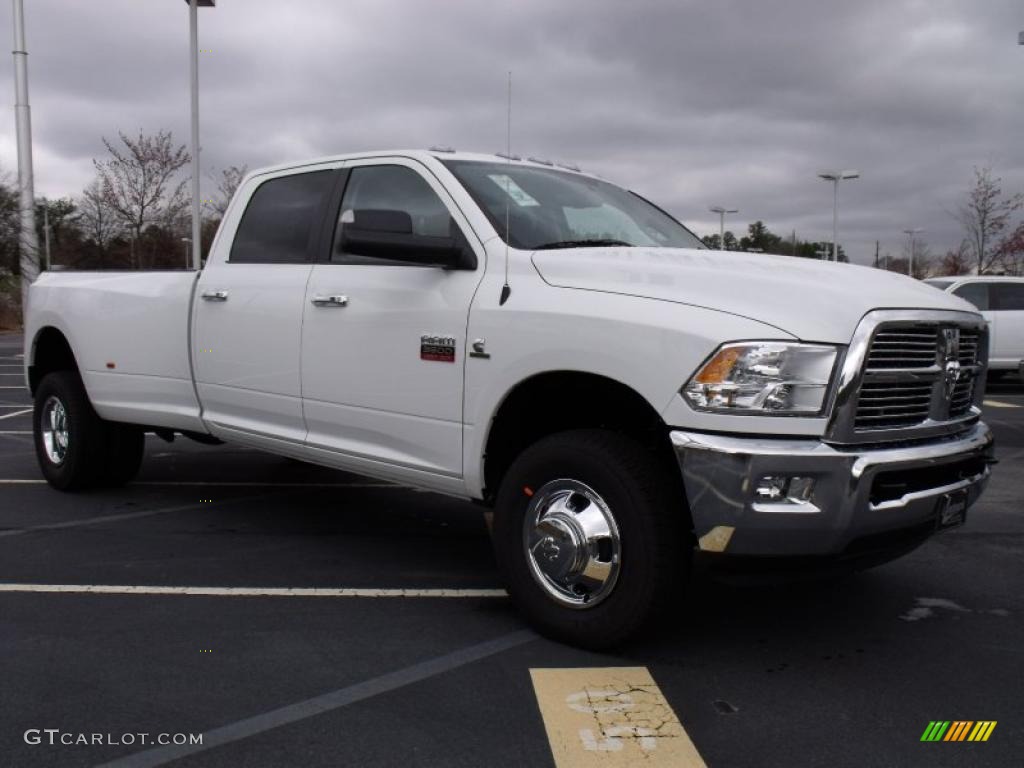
[1008, 307]
[384, 341]
[248, 316]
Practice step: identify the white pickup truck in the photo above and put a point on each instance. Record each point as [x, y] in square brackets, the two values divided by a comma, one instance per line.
[544, 342]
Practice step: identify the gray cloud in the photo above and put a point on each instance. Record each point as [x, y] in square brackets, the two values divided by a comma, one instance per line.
[688, 103]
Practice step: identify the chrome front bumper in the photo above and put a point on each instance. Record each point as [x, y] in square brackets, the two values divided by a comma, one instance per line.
[860, 493]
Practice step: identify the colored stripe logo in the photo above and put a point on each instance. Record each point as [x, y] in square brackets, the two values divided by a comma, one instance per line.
[958, 730]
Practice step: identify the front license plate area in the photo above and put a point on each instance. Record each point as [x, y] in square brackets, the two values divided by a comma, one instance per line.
[952, 510]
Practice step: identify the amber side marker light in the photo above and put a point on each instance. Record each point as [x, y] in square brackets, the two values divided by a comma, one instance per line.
[719, 367]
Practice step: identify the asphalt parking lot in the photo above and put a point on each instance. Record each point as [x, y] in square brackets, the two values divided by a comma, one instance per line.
[408, 654]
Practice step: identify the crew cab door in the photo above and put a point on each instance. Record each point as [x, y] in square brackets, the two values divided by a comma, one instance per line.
[384, 339]
[247, 331]
[1008, 307]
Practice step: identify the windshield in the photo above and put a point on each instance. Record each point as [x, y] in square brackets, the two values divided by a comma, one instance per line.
[548, 208]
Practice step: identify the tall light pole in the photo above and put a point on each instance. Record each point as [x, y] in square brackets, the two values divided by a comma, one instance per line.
[721, 211]
[29, 241]
[193, 23]
[46, 231]
[835, 177]
[910, 233]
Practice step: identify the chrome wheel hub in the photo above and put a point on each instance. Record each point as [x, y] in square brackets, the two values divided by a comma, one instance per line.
[572, 543]
[54, 426]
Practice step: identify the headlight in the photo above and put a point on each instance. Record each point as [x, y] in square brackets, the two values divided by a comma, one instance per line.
[765, 378]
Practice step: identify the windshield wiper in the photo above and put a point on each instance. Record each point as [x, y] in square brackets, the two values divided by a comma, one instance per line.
[595, 243]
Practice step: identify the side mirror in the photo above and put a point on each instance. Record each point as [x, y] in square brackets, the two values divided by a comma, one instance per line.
[384, 234]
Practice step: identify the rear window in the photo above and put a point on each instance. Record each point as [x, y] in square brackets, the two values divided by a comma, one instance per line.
[976, 293]
[278, 224]
[1007, 296]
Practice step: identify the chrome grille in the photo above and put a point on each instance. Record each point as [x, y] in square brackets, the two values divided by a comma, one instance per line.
[918, 374]
[903, 348]
[893, 404]
[969, 341]
[963, 396]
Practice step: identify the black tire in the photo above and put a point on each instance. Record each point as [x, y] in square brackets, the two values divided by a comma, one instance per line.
[648, 509]
[82, 462]
[126, 445]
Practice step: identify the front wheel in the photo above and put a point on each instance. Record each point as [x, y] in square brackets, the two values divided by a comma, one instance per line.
[589, 534]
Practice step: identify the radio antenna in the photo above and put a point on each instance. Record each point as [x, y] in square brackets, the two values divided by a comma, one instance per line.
[506, 289]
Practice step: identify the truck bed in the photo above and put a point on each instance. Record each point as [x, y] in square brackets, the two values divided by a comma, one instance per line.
[130, 335]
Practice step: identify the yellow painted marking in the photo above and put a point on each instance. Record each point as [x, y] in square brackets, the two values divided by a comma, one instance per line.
[610, 716]
[717, 539]
[999, 404]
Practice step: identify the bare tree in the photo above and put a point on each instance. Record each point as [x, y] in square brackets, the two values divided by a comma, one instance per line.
[137, 182]
[10, 227]
[985, 215]
[1010, 252]
[100, 224]
[227, 180]
[956, 262]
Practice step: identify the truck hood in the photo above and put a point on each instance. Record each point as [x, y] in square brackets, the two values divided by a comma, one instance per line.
[812, 300]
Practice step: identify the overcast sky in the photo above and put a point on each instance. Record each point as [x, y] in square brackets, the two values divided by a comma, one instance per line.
[689, 103]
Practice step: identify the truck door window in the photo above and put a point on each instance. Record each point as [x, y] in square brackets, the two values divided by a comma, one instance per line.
[976, 293]
[1008, 296]
[390, 188]
[277, 226]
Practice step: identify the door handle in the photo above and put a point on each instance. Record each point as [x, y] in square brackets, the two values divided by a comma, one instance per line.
[215, 295]
[330, 301]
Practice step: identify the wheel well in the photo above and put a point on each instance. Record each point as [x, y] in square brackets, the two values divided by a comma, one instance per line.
[562, 400]
[52, 353]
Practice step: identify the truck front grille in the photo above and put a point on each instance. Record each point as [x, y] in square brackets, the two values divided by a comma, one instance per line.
[918, 373]
[903, 348]
[893, 404]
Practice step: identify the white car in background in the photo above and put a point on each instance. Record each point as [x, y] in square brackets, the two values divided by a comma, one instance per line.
[1001, 301]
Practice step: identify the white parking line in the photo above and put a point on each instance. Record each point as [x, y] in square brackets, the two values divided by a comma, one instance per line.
[125, 516]
[327, 702]
[16, 413]
[114, 589]
[20, 386]
[10, 432]
[998, 404]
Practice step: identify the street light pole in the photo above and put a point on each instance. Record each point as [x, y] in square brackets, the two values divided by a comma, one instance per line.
[910, 233]
[721, 211]
[29, 241]
[46, 231]
[193, 23]
[835, 177]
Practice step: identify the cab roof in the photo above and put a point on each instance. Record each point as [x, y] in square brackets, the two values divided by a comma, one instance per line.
[426, 155]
